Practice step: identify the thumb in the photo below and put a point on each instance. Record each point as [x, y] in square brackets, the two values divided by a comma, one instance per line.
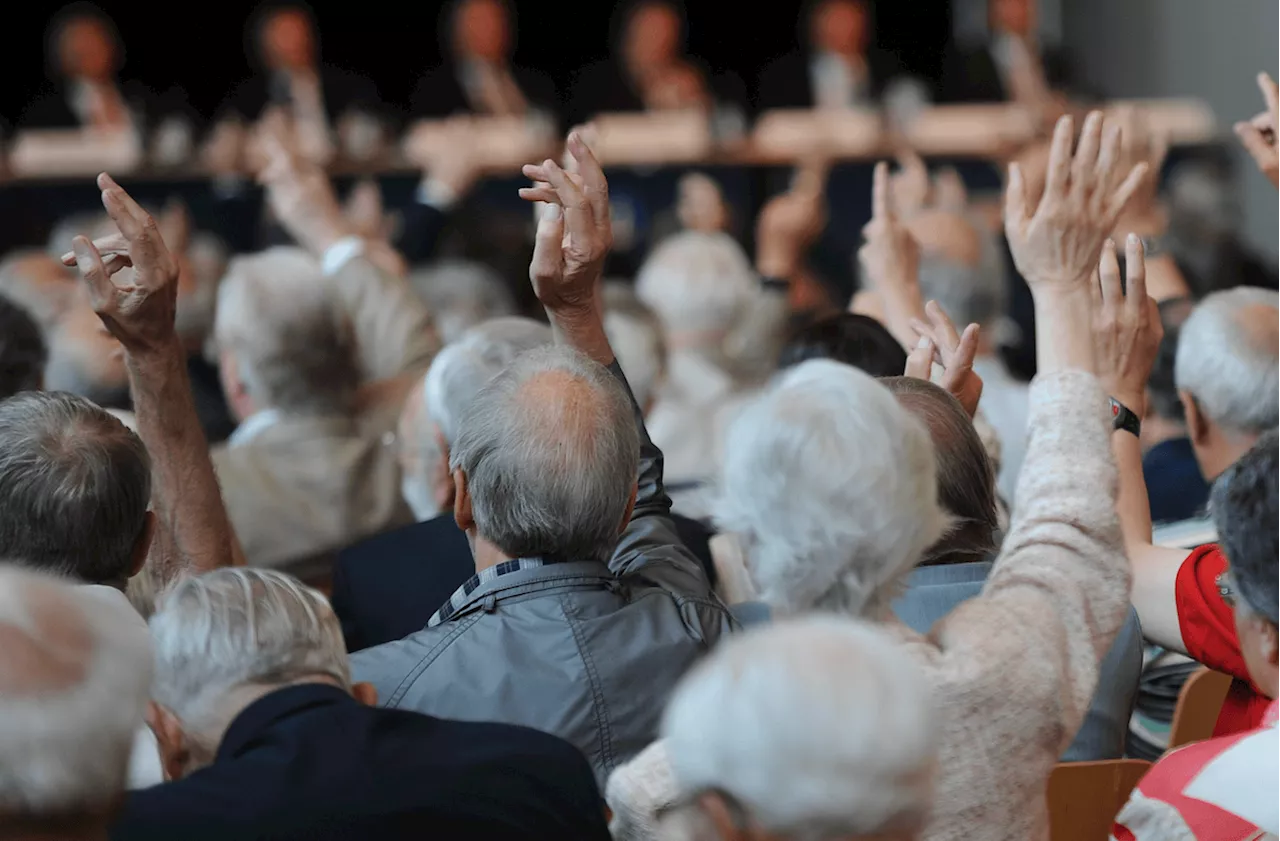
[89, 262]
[920, 360]
[548, 258]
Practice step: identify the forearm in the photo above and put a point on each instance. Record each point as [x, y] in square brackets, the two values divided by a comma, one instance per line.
[582, 329]
[185, 493]
[1063, 338]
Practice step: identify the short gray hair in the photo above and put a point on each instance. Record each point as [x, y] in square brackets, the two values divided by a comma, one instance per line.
[74, 487]
[461, 294]
[1227, 360]
[831, 486]
[74, 673]
[811, 750]
[698, 282]
[238, 628]
[550, 451]
[635, 333]
[294, 347]
[969, 294]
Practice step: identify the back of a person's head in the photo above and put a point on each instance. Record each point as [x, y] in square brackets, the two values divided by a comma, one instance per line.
[74, 488]
[816, 728]
[697, 283]
[549, 449]
[1226, 359]
[74, 677]
[223, 639]
[22, 350]
[851, 338]
[1243, 505]
[831, 486]
[971, 293]
[635, 334]
[966, 478]
[293, 347]
[1162, 388]
[461, 294]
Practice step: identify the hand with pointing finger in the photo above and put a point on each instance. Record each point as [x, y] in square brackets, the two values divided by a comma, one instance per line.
[1259, 135]
[890, 260]
[954, 351]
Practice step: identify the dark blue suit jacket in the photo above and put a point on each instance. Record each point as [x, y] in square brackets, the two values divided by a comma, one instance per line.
[310, 763]
[1175, 487]
[388, 586]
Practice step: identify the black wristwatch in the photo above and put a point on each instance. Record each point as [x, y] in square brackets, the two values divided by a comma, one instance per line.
[1123, 418]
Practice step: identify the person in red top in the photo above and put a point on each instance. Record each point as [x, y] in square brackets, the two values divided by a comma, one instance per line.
[1224, 789]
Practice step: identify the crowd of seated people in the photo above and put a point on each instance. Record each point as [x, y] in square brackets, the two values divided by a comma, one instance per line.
[337, 540]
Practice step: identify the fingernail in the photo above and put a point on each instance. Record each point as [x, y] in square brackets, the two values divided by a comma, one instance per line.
[1111, 243]
[574, 138]
[1133, 239]
[551, 211]
[923, 343]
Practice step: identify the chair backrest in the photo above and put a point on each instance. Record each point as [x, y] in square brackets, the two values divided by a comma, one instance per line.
[1199, 704]
[1085, 797]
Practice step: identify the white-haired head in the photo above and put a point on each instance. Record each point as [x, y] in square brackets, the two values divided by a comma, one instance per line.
[74, 675]
[635, 334]
[699, 285]
[224, 639]
[456, 375]
[831, 486]
[283, 342]
[971, 293]
[461, 294]
[812, 729]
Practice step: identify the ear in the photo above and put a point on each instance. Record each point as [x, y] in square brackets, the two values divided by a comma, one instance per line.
[175, 754]
[1269, 642]
[1197, 424]
[365, 694]
[441, 482]
[713, 806]
[143, 545]
[462, 502]
[631, 507]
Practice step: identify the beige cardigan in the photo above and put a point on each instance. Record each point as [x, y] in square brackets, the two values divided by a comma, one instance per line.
[1014, 669]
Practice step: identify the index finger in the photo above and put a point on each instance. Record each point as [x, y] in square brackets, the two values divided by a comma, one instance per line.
[938, 316]
[1135, 272]
[578, 213]
[1059, 169]
[123, 210]
[1269, 92]
[881, 203]
[108, 246]
[595, 185]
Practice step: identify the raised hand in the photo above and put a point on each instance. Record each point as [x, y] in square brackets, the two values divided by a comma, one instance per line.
[136, 307]
[1056, 245]
[954, 351]
[1259, 134]
[574, 231]
[790, 222]
[298, 190]
[1126, 325]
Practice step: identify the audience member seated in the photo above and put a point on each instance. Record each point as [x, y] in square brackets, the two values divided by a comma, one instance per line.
[1175, 488]
[1011, 66]
[857, 340]
[263, 734]
[22, 351]
[766, 740]
[480, 79]
[461, 295]
[839, 68]
[74, 675]
[843, 540]
[582, 582]
[1224, 788]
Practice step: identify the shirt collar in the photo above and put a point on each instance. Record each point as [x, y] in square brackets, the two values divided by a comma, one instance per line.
[463, 594]
[273, 707]
[253, 426]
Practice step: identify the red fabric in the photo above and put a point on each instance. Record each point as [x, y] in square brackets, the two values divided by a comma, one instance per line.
[1209, 632]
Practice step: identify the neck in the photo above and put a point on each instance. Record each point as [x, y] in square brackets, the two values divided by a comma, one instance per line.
[1222, 450]
[485, 553]
[1156, 430]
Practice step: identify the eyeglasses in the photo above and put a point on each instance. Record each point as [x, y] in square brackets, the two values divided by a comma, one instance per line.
[1226, 588]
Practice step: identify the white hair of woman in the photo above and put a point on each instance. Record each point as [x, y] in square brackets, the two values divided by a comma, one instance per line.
[830, 487]
[461, 294]
[635, 334]
[74, 673]
[699, 285]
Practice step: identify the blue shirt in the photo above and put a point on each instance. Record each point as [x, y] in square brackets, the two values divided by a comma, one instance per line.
[1175, 487]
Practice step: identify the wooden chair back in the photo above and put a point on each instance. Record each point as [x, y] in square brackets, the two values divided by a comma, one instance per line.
[1085, 797]
[1199, 704]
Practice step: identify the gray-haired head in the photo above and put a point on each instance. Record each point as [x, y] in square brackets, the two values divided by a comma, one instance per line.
[831, 487]
[699, 285]
[228, 637]
[461, 294]
[970, 294]
[805, 750]
[549, 450]
[74, 488]
[291, 346]
[74, 673]
[635, 334]
[1227, 359]
[1243, 504]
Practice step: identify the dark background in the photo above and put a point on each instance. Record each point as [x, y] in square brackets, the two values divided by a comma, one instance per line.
[201, 46]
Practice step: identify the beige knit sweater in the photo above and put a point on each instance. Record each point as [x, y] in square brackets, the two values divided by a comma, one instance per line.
[1014, 669]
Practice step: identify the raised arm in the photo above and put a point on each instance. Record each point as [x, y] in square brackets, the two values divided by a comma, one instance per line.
[139, 311]
[1259, 135]
[890, 259]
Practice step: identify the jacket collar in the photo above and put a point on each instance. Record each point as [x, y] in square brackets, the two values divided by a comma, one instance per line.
[545, 577]
[259, 716]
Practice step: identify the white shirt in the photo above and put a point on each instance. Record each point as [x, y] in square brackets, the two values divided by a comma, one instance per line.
[1005, 405]
[91, 100]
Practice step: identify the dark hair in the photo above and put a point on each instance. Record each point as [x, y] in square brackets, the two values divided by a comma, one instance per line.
[1161, 385]
[1243, 505]
[22, 350]
[856, 340]
[74, 487]
[966, 478]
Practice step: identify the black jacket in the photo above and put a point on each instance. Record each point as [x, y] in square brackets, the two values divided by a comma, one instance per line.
[970, 74]
[342, 92]
[311, 763]
[788, 83]
[439, 93]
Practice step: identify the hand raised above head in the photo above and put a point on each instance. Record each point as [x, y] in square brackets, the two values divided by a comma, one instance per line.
[954, 351]
[889, 255]
[1126, 325]
[1259, 135]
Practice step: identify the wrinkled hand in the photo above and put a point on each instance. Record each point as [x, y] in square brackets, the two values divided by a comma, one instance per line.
[1057, 246]
[790, 222]
[890, 256]
[1126, 325]
[954, 351]
[138, 309]
[574, 231]
[299, 192]
[1259, 134]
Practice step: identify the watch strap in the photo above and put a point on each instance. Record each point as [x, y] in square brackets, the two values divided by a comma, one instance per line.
[1123, 418]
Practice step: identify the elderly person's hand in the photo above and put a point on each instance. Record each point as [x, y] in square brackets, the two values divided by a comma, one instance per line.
[790, 222]
[890, 260]
[137, 307]
[940, 342]
[1126, 326]
[1138, 144]
[299, 192]
[1259, 134]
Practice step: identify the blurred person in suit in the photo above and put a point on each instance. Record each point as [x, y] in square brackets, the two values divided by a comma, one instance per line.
[85, 57]
[1012, 65]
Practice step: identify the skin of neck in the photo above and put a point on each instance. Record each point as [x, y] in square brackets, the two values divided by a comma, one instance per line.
[1219, 449]
[485, 553]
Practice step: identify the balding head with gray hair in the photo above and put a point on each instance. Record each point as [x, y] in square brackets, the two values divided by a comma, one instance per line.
[283, 341]
[549, 451]
[831, 487]
[74, 674]
[224, 639]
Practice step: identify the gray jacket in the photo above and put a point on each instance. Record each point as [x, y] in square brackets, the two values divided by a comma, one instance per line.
[583, 650]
